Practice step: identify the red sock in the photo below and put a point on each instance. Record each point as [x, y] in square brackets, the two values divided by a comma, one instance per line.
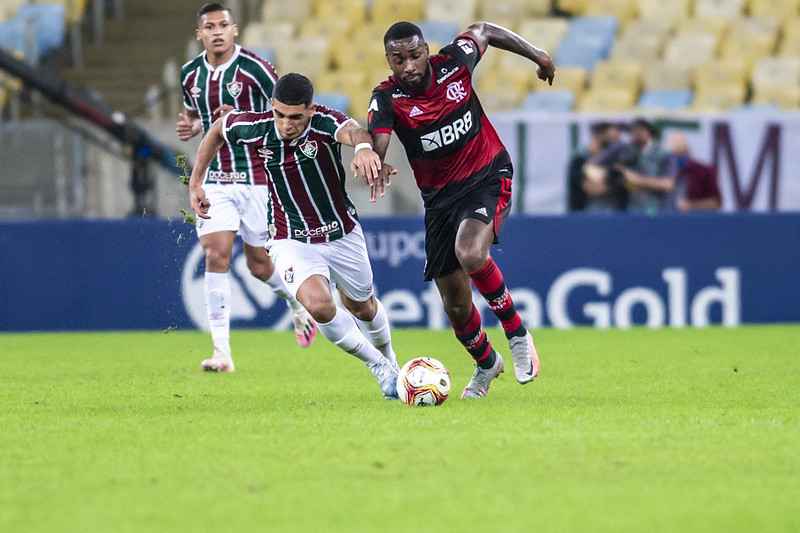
[489, 281]
[475, 340]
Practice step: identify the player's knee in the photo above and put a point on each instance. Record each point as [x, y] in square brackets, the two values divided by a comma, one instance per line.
[471, 255]
[365, 311]
[320, 306]
[217, 260]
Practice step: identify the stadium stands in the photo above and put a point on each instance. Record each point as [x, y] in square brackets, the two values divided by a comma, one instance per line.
[677, 54]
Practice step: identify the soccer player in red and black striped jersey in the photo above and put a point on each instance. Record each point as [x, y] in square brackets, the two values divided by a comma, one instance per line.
[295, 150]
[226, 77]
[464, 173]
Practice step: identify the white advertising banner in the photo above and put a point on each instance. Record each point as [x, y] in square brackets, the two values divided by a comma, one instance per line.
[757, 155]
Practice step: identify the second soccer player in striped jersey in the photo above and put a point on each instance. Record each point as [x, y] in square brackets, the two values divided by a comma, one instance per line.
[226, 77]
[316, 238]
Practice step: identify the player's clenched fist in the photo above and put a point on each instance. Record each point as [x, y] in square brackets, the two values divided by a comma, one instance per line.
[199, 202]
[187, 127]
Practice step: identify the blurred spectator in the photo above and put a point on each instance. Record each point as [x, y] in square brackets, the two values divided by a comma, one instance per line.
[602, 182]
[697, 184]
[578, 199]
[650, 180]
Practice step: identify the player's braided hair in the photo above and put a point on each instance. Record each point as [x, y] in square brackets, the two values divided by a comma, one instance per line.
[294, 89]
[402, 30]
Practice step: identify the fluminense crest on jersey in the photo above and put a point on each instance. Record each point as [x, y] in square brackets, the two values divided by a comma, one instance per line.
[309, 149]
[235, 88]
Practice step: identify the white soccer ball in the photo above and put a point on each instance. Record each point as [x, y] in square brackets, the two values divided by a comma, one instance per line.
[423, 381]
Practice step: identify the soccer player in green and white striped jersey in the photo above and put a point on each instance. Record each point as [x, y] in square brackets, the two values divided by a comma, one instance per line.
[228, 77]
[316, 238]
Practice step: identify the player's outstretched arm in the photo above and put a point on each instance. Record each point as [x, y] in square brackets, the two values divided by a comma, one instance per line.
[208, 148]
[488, 34]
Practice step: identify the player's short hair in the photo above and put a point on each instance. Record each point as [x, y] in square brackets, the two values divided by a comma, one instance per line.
[402, 30]
[294, 89]
[212, 7]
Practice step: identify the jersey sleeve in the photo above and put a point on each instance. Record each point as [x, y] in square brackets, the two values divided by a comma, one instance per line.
[264, 73]
[244, 127]
[380, 115]
[188, 101]
[465, 50]
[329, 121]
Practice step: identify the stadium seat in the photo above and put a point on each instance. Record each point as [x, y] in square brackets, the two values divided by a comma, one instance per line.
[295, 11]
[551, 101]
[790, 44]
[492, 10]
[718, 97]
[506, 100]
[717, 27]
[460, 12]
[311, 59]
[785, 97]
[623, 10]
[572, 79]
[545, 33]
[573, 7]
[12, 35]
[359, 51]
[643, 51]
[691, 49]
[266, 53]
[666, 100]
[730, 72]
[666, 11]
[46, 22]
[661, 76]
[439, 32]
[268, 35]
[777, 72]
[330, 29]
[607, 100]
[588, 40]
[352, 11]
[610, 74]
[337, 101]
[778, 9]
[725, 9]
[517, 81]
[386, 12]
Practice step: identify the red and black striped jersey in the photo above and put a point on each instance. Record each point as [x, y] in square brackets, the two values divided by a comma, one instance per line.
[244, 82]
[306, 178]
[448, 139]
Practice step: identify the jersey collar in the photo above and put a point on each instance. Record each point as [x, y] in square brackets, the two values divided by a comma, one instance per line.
[220, 69]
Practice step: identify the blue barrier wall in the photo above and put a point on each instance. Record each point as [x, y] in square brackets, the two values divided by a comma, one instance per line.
[612, 271]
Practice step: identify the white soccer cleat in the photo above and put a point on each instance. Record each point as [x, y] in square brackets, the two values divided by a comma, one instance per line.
[478, 386]
[305, 328]
[218, 363]
[386, 375]
[526, 359]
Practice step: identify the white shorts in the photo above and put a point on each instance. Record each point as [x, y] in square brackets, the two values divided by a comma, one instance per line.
[343, 262]
[239, 208]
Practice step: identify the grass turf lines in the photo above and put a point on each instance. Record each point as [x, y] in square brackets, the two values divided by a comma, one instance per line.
[671, 430]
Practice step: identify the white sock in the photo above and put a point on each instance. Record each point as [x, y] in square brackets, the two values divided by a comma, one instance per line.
[218, 297]
[379, 333]
[344, 333]
[276, 283]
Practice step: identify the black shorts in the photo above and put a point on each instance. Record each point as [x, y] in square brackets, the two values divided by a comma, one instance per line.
[488, 202]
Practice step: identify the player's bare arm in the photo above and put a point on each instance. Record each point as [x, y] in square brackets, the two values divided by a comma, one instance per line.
[488, 34]
[188, 125]
[380, 144]
[367, 163]
[208, 148]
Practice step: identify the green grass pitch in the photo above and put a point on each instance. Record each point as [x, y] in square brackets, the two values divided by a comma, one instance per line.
[640, 431]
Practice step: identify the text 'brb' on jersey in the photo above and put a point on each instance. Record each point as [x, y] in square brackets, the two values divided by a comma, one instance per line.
[244, 82]
[449, 141]
[306, 178]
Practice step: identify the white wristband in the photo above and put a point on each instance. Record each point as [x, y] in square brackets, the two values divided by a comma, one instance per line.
[362, 146]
